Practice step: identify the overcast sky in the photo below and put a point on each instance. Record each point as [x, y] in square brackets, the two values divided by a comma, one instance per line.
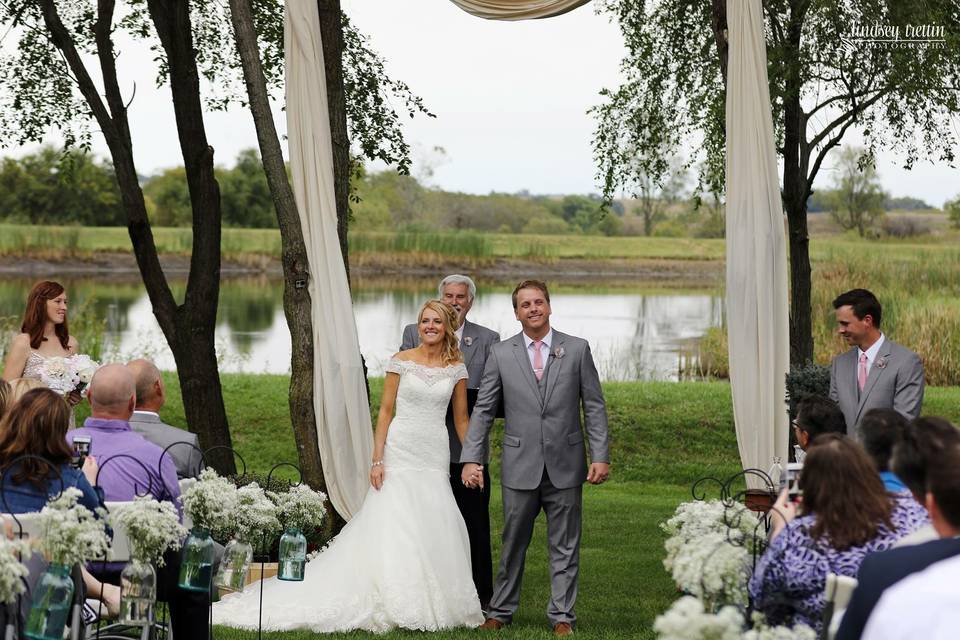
[510, 99]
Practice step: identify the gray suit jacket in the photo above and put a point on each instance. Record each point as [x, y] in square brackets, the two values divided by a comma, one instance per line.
[475, 346]
[186, 458]
[895, 381]
[542, 428]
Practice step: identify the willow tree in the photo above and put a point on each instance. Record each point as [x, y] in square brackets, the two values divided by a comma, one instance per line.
[824, 83]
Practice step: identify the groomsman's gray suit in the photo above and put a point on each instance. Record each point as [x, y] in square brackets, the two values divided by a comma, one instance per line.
[474, 506]
[185, 456]
[544, 461]
[894, 381]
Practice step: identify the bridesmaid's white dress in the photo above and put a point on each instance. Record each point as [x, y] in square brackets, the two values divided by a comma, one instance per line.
[404, 558]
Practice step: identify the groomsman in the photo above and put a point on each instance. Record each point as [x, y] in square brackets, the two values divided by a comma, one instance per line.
[459, 292]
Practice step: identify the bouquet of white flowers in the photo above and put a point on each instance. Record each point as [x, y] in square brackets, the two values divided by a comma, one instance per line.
[256, 514]
[72, 373]
[212, 503]
[300, 508]
[761, 631]
[70, 532]
[12, 570]
[152, 527]
[686, 619]
[708, 551]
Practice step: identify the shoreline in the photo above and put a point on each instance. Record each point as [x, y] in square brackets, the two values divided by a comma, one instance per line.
[122, 266]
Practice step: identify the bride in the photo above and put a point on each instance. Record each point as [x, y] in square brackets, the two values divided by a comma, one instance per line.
[404, 558]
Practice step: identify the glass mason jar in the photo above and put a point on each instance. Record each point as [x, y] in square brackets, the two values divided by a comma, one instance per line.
[196, 561]
[50, 607]
[138, 592]
[232, 573]
[293, 555]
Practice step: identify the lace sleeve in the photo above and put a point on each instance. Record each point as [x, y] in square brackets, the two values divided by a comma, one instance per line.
[395, 365]
[460, 372]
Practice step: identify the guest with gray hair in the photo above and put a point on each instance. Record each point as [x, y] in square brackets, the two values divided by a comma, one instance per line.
[459, 291]
[179, 444]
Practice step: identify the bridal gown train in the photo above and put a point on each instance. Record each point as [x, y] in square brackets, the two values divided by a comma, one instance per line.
[403, 560]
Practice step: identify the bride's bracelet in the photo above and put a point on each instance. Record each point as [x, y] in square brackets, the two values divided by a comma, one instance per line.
[377, 463]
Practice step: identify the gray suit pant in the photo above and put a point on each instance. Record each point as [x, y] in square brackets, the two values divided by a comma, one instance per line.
[563, 509]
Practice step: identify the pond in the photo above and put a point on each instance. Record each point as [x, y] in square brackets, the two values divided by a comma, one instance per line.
[636, 331]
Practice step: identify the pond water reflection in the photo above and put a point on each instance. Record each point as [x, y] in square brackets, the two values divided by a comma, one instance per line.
[636, 333]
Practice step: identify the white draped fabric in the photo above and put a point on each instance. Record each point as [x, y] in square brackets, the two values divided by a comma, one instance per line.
[339, 391]
[517, 9]
[757, 322]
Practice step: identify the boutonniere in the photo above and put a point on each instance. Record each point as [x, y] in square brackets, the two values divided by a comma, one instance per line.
[558, 353]
[881, 362]
[467, 341]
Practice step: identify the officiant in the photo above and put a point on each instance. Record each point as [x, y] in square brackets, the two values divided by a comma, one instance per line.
[459, 292]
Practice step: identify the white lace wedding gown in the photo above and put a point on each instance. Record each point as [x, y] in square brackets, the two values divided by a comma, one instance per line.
[404, 558]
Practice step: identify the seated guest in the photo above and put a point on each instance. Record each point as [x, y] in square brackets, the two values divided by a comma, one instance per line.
[928, 444]
[151, 395]
[816, 415]
[37, 426]
[130, 465]
[880, 430]
[844, 514]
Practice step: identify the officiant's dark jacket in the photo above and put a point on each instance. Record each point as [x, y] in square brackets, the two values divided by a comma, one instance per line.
[475, 346]
[881, 570]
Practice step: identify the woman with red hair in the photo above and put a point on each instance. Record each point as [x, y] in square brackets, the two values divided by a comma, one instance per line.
[44, 334]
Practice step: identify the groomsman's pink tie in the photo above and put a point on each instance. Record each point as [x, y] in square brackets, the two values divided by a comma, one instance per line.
[537, 359]
[862, 372]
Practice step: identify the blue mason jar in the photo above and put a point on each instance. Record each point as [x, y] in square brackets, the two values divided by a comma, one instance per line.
[293, 555]
[196, 563]
[50, 607]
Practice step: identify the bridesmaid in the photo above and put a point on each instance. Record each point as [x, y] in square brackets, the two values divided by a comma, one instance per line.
[45, 334]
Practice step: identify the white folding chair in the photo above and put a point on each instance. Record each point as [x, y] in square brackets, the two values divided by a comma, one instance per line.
[837, 594]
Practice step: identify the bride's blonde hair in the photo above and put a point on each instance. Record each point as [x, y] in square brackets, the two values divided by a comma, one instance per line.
[450, 352]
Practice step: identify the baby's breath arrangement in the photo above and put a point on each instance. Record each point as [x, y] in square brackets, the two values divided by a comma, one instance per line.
[12, 570]
[71, 533]
[686, 619]
[153, 527]
[211, 502]
[256, 514]
[301, 507]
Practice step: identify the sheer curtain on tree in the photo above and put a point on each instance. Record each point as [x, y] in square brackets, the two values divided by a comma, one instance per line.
[757, 324]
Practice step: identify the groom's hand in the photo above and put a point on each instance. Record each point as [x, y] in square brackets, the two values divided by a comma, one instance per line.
[598, 472]
[472, 475]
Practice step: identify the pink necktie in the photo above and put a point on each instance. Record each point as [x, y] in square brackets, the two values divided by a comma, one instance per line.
[537, 359]
[862, 372]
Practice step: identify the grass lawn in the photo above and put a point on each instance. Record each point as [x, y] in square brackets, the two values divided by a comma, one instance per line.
[664, 436]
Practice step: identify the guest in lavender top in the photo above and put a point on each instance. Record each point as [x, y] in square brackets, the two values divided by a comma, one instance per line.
[138, 467]
[845, 513]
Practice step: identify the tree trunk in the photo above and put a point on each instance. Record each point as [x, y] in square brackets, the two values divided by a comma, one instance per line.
[795, 193]
[331, 31]
[296, 296]
[193, 349]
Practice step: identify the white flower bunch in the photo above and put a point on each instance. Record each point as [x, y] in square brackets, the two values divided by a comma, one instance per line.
[256, 514]
[686, 619]
[12, 570]
[84, 367]
[301, 507]
[58, 375]
[761, 631]
[709, 549]
[71, 532]
[153, 527]
[211, 502]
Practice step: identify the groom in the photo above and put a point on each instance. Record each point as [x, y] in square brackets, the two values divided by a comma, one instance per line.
[543, 377]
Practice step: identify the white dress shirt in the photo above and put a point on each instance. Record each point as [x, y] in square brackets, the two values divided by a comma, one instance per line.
[459, 334]
[544, 348]
[923, 605]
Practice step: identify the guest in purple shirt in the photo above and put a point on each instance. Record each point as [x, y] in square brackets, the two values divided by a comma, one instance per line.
[846, 513]
[129, 464]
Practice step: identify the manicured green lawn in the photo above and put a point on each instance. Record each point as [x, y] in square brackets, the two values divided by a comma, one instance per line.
[663, 437]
